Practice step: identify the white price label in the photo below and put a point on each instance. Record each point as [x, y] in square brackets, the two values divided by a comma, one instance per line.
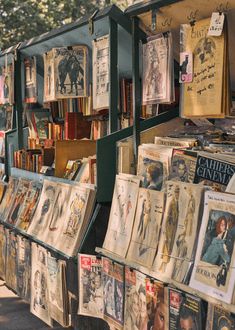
[216, 25]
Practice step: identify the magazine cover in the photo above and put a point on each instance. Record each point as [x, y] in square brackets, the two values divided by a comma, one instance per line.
[122, 214]
[11, 260]
[136, 316]
[44, 208]
[153, 165]
[214, 269]
[147, 225]
[3, 247]
[30, 80]
[91, 300]
[219, 319]
[39, 302]
[29, 205]
[179, 230]
[23, 268]
[183, 165]
[58, 216]
[185, 311]
[8, 197]
[100, 64]
[156, 302]
[56, 292]
[19, 198]
[113, 283]
[71, 69]
[49, 77]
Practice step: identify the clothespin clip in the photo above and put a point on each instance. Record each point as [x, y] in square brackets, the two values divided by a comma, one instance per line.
[154, 20]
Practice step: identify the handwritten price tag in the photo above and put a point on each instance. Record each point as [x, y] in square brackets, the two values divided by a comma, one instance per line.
[216, 25]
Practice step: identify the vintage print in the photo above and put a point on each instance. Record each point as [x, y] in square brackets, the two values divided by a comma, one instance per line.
[49, 77]
[11, 260]
[6, 117]
[3, 246]
[136, 316]
[147, 225]
[29, 205]
[101, 73]
[183, 165]
[7, 84]
[23, 268]
[122, 214]
[41, 119]
[113, 283]
[91, 300]
[30, 80]
[218, 318]
[39, 301]
[214, 270]
[186, 67]
[8, 197]
[44, 209]
[71, 66]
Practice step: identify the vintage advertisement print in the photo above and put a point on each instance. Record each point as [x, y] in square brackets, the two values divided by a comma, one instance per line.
[122, 214]
[91, 300]
[39, 301]
[101, 73]
[30, 80]
[147, 225]
[218, 318]
[8, 198]
[11, 260]
[113, 283]
[214, 270]
[186, 67]
[3, 243]
[23, 267]
[49, 77]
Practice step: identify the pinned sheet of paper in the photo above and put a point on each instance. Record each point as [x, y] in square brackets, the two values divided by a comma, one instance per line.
[216, 25]
[186, 67]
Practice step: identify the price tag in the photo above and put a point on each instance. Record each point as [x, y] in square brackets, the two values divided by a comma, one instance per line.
[216, 25]
[186, 67]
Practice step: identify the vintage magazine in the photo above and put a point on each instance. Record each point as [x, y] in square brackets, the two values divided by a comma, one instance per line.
[23, 268]
[57, 218]
[204, 96]
[136, 316]
[147, 225]
[57, 295]
[185, 311]
[3, 246]
[157, 305]
[181, 142]
[44, 209]
[113, 283]
[91, 300]
[158, 69]
[39, 302]
[179, 230]
[77, 217]
[11, 260]
[153, 165]
[30, 80]
[29, 205]
[8, 197]
[19, 198]
[183, 165]
[214, 269]
[122, 214]
[100, 65]
[218, 318]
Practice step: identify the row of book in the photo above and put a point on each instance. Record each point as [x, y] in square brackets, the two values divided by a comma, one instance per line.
[41, 209]
[128, 299]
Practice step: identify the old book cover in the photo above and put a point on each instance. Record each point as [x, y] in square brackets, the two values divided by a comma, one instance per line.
[218, 318]
[179, 230]
[19, 198]
[153, 165]
[44, 208]
[183, 165]
[122, 214]
[113, 283]
[100, 65]
[23, 268]
[30, 80]
[71, 71]
[11, 260]
[214, 271]
[3, 246]
[136, 316]
[39, 302]
[147, 225]
[204, 95]
[157, 305]
[8, 197]
[29, 205]
[91, 300]
[185, 311]
[57, 297]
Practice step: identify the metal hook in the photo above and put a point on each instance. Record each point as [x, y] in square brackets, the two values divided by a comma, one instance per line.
[154, 20]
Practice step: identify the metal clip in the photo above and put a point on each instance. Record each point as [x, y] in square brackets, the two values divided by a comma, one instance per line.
[91, 21]
[192, 17]
[154, 20]
[222, 8]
